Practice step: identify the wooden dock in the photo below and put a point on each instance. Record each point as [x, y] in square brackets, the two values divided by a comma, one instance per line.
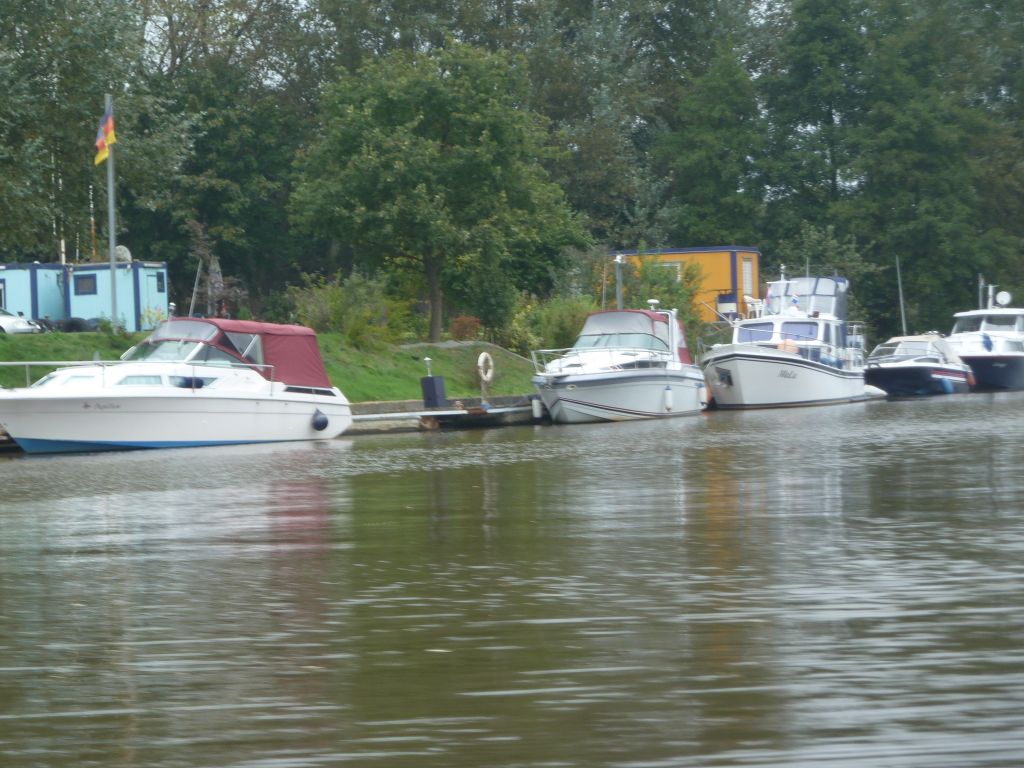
[465, 413]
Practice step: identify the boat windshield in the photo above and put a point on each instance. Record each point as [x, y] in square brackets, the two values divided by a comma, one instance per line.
[162, 350]
[621, 341]
[904, 349]
[180, 351]
[184, 329]
[985, 323]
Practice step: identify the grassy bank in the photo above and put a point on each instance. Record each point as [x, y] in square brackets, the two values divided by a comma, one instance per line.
[391, 373]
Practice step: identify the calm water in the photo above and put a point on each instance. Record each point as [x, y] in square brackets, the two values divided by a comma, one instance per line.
[838, 586]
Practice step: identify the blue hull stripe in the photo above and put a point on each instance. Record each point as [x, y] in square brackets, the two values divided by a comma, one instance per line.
[30, 445]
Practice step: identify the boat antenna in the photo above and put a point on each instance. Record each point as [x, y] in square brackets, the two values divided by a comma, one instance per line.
[981, 291]
[899, 287]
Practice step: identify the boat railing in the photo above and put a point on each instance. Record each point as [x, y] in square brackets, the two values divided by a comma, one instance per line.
[49, 366]
[584, 358]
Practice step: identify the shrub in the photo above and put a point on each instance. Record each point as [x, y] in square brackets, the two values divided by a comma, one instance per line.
[557, 322]
[464, 328]
[357, 307]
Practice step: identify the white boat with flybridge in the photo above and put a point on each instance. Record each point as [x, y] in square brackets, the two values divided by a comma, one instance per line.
[794, 348]
[991, 340]
[625, 364]
[192, 382]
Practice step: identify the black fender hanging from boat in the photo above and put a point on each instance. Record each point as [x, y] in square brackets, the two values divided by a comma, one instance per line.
[319, 420]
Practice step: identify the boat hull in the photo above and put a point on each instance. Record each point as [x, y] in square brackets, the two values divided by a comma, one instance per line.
[914, 380]
[102, 422]
[749, 376]
[621, 395]
[996, 372]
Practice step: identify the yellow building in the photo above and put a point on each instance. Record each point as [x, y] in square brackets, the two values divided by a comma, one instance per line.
[728, 273]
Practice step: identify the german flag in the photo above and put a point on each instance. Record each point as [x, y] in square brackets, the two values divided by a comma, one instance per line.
[105, 136]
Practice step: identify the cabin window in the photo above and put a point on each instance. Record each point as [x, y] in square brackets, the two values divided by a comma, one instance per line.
[140, 381]
[161, 282]
[800, 331]
[1000, 322]
[675, 266]
[754, 332]
[85, 285]
[747, 273]
[967, 324]
[189, 382]
[248, 345]
[210, 354]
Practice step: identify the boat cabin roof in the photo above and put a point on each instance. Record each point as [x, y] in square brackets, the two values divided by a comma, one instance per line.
[625, 321]
[291, 350]
[995, 311]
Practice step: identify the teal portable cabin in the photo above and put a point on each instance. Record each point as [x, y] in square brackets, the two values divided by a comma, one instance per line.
[62, 292]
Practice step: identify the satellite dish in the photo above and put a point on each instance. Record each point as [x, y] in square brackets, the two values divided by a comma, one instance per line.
[121, 253]
[1003, 298]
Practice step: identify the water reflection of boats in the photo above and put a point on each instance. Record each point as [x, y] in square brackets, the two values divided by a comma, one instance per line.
[991, 341]
[795, 348]
[906, 366]
[625, 364]
[192, 382]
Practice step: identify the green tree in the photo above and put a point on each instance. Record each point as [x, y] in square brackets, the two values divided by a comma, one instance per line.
[428, 163]
[813, 89]
[245, 78]
[711, 157]
[57, 60]
[916, 177]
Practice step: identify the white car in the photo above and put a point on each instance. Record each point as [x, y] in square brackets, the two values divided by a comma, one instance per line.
[11, 323]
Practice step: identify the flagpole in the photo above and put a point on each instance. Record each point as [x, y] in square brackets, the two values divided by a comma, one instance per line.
[111, 223]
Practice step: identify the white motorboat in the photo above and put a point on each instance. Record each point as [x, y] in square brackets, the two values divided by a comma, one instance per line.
[795, 348]
[991, 341]
[192, 382]
[908, 366]
[625, 364]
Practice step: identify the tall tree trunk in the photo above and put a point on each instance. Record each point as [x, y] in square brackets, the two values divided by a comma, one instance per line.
[435, 297]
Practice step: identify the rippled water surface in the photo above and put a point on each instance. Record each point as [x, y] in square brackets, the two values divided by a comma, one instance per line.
[838, 586]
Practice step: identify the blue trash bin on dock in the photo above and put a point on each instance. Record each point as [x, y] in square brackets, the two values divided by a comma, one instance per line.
[433, 392]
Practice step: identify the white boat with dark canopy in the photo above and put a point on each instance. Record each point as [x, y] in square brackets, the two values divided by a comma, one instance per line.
[795, 348]
[192, 382]
[911, 366]
[625, 364]
[991, 341]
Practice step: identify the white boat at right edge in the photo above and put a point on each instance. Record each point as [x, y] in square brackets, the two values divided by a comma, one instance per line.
[795, 348]
[991, 341]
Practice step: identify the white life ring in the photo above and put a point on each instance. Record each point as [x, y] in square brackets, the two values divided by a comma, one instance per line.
[485, 367]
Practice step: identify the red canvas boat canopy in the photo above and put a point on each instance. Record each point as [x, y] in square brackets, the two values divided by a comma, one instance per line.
[291, 350]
